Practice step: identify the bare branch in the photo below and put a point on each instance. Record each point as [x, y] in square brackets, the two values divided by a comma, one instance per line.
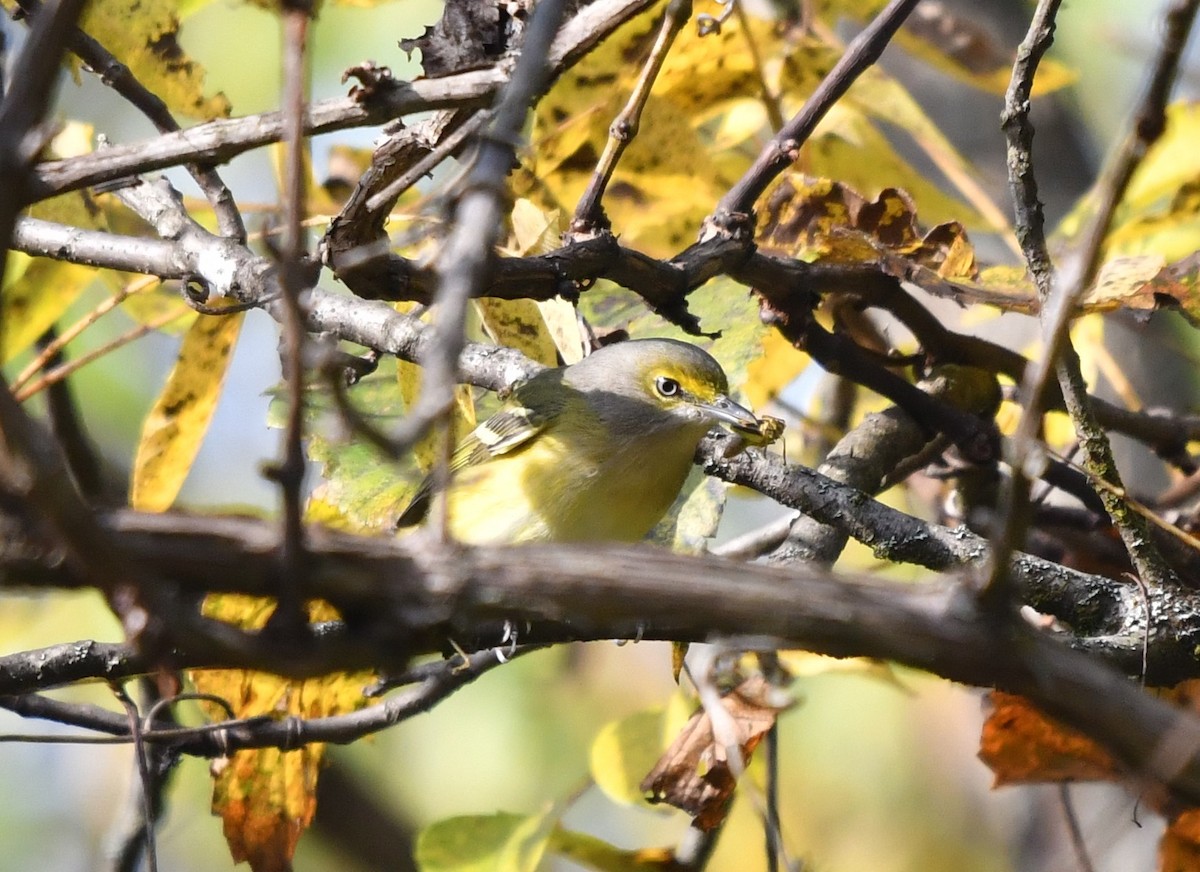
[215, 142]
[1059, 302]
[119, 77]
[622, 591]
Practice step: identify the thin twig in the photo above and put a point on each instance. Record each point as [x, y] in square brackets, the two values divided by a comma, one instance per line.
[218, 141]
[288, 473]
[59, 373]
[770, 101]
[1059, 299]
[662, 283]
[589, 211]
[425, 165]
[1030, 230]
[31, 469]
[49, 354]
[144, 776]
[771, 827]
[1137, 507]
[225, 737]
[755, 543]
[1074, 833]
[80, 454]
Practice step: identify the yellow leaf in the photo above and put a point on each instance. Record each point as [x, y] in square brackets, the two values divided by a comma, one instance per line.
[624, 750]
[954, 44]
[540, 329]
[590, 852]
[708, 75]
[144, 35]
[989, 72]
[667, 174]
[175, 427]
[153, 305]
[562, 321]
[1171, 163]
[805, 664]
[1160, 212]
[668, 171]
[518, 324]
[850, 148]
[780, 364]
[534, 231]
[408, 377]
[36, 299]
[36, 292]
[499, 842]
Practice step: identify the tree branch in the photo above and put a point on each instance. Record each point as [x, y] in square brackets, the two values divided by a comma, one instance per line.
[625, 592]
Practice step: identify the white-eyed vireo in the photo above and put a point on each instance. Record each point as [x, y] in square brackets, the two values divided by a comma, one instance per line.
[593, 451]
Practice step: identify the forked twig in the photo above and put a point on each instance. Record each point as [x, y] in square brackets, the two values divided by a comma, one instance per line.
[589, 212]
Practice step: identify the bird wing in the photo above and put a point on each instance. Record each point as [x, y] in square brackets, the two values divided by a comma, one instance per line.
[508, 429]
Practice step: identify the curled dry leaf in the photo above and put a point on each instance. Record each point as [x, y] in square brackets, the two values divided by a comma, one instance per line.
[695, 774]
[820, 219]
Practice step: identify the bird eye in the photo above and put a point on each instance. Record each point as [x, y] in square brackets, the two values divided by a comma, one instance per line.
[667, 387]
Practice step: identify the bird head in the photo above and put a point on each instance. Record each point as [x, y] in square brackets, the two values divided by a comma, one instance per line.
[645, 384]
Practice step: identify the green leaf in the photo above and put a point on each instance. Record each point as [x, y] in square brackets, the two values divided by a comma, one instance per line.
[694, 517]
[359, 489]
[500, 842]
[598, 854]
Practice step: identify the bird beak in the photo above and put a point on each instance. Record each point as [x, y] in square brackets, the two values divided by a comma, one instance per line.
[728, 412]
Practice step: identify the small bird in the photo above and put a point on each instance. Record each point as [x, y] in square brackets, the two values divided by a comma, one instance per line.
[593, 451]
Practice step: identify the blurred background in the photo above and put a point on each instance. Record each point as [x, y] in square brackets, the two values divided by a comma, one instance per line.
[877, 774]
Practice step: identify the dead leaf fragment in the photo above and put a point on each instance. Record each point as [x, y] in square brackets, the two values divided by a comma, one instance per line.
[820, 219]
[695, 774]
[469, 35]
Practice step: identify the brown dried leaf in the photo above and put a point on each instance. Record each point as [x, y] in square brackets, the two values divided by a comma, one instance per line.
[820, 219]
[823, 220]
[469, 35]
[958, 45]
[694, 774]
[1175, 285]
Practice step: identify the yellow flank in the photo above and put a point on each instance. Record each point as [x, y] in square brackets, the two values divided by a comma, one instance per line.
[547, 491]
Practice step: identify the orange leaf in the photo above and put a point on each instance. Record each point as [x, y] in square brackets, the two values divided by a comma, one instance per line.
[1179, 850]
[1020, 744]
[266, 797]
